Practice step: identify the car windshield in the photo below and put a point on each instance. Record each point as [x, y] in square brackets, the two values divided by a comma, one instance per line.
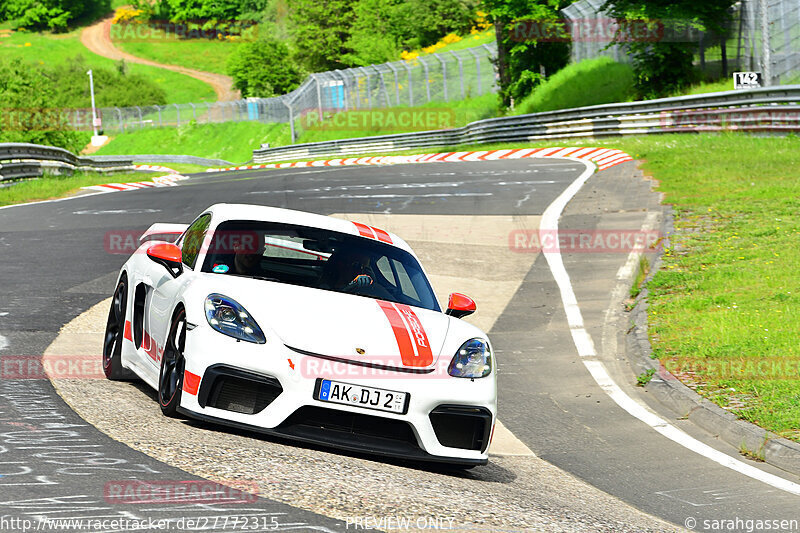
[320, 259]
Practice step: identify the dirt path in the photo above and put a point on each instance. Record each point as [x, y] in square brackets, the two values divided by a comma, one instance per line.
[97, 38]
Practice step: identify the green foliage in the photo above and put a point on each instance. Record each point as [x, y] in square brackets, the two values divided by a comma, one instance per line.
[215, 12]
[319, 31]
[342, 33]
[32, 97]
[27, 102]
[112, 87]
[663, 68]
[55, 15]
[260, 68]
[519, 61]
[590, 82]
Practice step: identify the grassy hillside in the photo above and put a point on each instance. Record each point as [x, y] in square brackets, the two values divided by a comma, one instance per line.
[52, 49]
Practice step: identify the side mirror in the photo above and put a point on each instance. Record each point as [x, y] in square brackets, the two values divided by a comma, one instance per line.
[168, 255]
[459, 305]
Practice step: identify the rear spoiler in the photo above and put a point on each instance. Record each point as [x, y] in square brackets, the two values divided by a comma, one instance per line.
[163, 232]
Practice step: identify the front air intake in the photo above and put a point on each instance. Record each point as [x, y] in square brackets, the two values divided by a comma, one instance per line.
[461, 426]
[236, 390]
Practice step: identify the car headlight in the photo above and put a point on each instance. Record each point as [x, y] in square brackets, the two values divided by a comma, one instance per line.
[229, 318]
[472, 360]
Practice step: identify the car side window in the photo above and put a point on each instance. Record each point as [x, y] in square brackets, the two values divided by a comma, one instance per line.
[193, 240]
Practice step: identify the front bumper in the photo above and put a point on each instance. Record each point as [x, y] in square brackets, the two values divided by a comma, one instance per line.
[272, 391]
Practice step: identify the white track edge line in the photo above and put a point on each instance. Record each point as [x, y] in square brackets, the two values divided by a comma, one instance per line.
[598, 371]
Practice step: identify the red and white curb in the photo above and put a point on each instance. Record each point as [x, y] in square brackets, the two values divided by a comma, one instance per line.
[159, 181]
[603, 157]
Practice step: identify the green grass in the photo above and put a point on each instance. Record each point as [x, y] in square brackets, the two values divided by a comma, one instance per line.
[590, 82]
[200, 54]
[231, 141]
[50, 187]
[46, 48]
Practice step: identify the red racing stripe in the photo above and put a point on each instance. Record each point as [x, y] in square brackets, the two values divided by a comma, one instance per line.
[364, 230]
[382, 235]
[400, 333]
[128, 333]
[418, 336]
[191, 382]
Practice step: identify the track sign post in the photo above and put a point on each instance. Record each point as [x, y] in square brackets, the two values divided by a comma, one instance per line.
[747, 80]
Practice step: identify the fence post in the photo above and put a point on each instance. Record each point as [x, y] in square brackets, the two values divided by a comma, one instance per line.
[369, 84]
[121, 122]
[410, 85]
[291, 121]
[477, 68]
[383, 84]
[160, 122]
[141, 122]
[444, 75]
[427, 78]
[489, 59]
[208, 113]
[177, 115]
[396, 84]
[460, 73]
[766, 67]
[194, 112]
[319, 97]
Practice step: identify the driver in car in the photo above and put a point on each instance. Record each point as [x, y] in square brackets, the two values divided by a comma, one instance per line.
[348, 269]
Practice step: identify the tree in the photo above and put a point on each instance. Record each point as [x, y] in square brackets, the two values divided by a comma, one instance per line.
[663, 68]
[54, 15]
[28, 109]
[319, 31]
[261, 68]
[519, 59]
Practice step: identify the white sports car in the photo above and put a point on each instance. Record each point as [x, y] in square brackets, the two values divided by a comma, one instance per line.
[307, 327]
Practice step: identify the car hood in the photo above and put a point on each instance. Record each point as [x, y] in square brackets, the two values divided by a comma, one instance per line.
[343, 326]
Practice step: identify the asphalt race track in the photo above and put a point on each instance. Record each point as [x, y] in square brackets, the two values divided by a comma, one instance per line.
[596, 467]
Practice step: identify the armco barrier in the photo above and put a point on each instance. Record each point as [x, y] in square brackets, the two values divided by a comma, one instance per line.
[768, 110]
[23, 160]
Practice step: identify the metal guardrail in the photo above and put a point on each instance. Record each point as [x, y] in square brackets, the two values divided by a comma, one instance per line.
[773, 109]
[23, 160]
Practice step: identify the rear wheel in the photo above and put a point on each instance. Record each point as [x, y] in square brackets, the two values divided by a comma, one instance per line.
[170, 378]
[115, 335]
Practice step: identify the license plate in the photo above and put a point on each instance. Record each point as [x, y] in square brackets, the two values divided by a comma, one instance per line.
[369, 397]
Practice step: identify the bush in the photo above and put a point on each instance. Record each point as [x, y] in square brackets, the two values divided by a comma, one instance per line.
[112, 88]
[50, 14]
[28, 112]
[261, 68]
[590, 82]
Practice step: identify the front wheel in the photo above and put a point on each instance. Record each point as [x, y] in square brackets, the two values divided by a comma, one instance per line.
[115, 335]
[170, 378]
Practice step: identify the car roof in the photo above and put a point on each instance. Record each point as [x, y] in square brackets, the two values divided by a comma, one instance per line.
[222, 212]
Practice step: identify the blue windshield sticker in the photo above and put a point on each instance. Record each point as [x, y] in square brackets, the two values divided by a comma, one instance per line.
[220, 269]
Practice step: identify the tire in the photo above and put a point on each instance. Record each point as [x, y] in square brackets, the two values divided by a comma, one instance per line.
[170, 378]
[115, 335]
